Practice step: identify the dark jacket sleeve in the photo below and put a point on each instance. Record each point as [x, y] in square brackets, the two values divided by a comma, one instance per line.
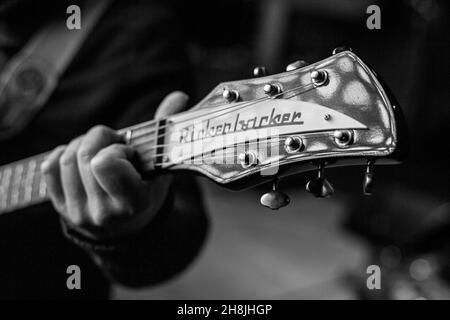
[134, 58]
[161, 250]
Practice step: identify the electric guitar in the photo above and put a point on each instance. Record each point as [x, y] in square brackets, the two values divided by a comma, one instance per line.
[330, 113]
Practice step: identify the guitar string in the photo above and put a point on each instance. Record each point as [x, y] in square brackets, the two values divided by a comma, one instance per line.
[150, 123]
[280, 137]
[234, 107]
[9, 205]
[165, 134]
[211, 155]
[225, 151]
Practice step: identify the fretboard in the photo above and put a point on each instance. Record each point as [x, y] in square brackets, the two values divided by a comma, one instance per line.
[22, 183]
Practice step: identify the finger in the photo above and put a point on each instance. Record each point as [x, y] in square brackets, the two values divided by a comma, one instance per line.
[74, 193]
[117, 176]
[51, 171]
[172, 103]
[96, 139]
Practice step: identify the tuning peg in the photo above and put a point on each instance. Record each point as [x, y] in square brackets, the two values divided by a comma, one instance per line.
[320, 187]
[341, 49]
[296, 65]
[260, 71]
[230, 95]
[275, 199]
[368, 178]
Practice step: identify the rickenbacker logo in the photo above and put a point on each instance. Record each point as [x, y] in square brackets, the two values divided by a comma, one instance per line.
[207, 129]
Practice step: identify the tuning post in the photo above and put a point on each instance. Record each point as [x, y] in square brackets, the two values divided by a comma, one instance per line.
[319, 77]
[275, 199]
[320, 187]
[293, 144]
[341, 49]
[368, 178]
[296, 65]
[343, 138]
[247, 159]
[230, 95]
[272, 89]
[260, 71]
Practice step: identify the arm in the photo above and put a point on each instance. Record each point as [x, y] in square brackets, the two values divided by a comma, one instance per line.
[134, 229]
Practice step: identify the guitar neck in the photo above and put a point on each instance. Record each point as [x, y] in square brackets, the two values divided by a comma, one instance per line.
[22, 184]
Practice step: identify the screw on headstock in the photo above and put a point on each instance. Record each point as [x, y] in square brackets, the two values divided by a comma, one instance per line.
[275, 199]
[320, 187]
[343, 137]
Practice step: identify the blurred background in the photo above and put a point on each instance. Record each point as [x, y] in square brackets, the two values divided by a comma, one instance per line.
[321, 248]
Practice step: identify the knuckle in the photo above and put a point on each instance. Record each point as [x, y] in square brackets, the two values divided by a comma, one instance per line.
[99, 131]
[99, 162]
[100, 216]
[68, 157]
[124, 208]
[75, 218]
[84, 153]
[46, 167]
[51, 162]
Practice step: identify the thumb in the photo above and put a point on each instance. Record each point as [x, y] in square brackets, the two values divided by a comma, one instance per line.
[173, 103]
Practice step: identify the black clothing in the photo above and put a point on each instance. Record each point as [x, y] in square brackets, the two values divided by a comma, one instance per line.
[130, 61]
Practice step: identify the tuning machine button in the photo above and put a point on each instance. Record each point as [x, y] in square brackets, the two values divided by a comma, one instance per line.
[319, 77]
[247, 159]
[260, 71]
[230, 95]
[320, 187]
[368, 178]
[275, 199]
[296, 65]
[293, 144]
[341, 49]
[343, 137]
[272, 89]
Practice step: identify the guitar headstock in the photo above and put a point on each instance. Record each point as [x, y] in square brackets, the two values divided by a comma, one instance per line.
[329, 113]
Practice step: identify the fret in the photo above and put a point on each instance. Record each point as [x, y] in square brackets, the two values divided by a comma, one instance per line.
[144, 140]
[6, 177]
[42, 188]
[16, 182]
[29, 180]
[37, 181]
[22, 184]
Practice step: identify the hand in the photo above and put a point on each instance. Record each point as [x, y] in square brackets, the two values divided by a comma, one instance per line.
[94, 186]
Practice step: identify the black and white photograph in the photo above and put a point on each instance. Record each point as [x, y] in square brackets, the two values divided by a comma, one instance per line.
[224, 156]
